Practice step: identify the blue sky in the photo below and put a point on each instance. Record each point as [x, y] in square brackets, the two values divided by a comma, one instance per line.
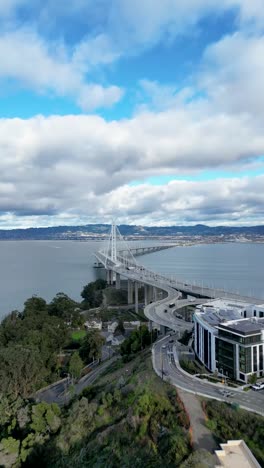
[151, 113]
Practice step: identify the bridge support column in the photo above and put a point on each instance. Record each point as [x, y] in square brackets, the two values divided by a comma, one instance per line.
[117, 281]
[149, 293]
[136, 297]
[146, 294]
[109, 276]
[162, 330]
[155, 294]
[129, 291]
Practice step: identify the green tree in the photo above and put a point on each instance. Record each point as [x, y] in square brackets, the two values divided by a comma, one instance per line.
[11, 328]
[253, 379]
[21, 370]
[199, 459]
[91, 347]
[75, 365]
[35, 305]
[63, 306]
[92, 293]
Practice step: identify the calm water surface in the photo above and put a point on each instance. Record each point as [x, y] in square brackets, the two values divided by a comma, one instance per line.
[47, 267]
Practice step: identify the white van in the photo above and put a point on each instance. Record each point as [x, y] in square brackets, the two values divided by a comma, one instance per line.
[258, 386]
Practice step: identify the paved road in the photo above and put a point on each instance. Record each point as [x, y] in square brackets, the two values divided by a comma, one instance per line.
[163, 359]
[59, 393]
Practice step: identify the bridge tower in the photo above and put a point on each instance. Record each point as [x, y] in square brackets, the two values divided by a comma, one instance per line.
[113, 251]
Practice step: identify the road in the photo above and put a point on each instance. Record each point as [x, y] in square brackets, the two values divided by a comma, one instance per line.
[59, 392]
[164, 361]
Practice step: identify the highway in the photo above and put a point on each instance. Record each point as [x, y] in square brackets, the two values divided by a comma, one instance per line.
[164, 358]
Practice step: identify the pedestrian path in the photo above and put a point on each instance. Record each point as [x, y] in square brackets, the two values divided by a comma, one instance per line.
[201, 436]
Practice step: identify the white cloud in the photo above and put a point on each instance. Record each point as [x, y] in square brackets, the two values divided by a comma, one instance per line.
[24, 56]
[234, 74]
[77, 165]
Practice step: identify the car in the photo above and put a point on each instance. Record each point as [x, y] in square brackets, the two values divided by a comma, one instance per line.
[171, 341]
[258, 386]
[164, 346]
[165, 310]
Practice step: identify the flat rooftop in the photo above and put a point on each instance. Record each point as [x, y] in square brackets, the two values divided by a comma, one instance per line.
[236, 454]
[248, 326]
[221, 311]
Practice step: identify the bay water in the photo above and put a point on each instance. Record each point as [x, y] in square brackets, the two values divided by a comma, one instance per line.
[44, 268]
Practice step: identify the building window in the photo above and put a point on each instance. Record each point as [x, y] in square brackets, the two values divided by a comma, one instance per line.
[261, 367]
[261, 314]
[242, 377]
[255, 362]
[198, 338]
[245, 360]
[255, 313]
[205, 346]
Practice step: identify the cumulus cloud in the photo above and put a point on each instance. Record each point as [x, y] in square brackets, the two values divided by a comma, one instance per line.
[233, 74]
[83, 164]
[24, 56]
[226, 201]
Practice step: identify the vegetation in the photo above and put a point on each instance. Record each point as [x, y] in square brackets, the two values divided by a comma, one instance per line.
[130, 418]
[193, 367]
[29, 344]
[92, 294]
[78, 335]
[115, 296]
[185, 337]
[75, 366]
[253, 379]
[24, 429]
[91, 346]
[233, 423]
[137, 341]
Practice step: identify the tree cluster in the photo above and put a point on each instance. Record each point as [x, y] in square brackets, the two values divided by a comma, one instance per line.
[29, 344]
[138, 340]
[25, 428]
[92, 294]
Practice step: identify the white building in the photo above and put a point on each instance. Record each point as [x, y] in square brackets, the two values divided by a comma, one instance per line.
[93, 325]
[229, 338]
[112, 327]
[236, 454]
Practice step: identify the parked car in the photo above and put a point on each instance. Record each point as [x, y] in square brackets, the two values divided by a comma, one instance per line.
[258, 386]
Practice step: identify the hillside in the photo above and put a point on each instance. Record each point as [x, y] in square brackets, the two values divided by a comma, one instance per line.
[100, 231]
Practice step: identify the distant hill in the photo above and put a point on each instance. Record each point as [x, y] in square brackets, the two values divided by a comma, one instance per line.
[95, 231]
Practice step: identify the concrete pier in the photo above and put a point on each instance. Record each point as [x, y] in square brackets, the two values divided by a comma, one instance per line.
[129, 291]
[117, 281]
[136, 297]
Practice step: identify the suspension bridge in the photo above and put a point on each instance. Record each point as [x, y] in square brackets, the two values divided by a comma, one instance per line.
[118, 259]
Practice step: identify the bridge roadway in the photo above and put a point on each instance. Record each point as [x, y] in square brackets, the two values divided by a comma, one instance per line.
[125, 267]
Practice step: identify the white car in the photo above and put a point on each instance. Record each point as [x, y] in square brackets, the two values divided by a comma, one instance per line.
[258, 386]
